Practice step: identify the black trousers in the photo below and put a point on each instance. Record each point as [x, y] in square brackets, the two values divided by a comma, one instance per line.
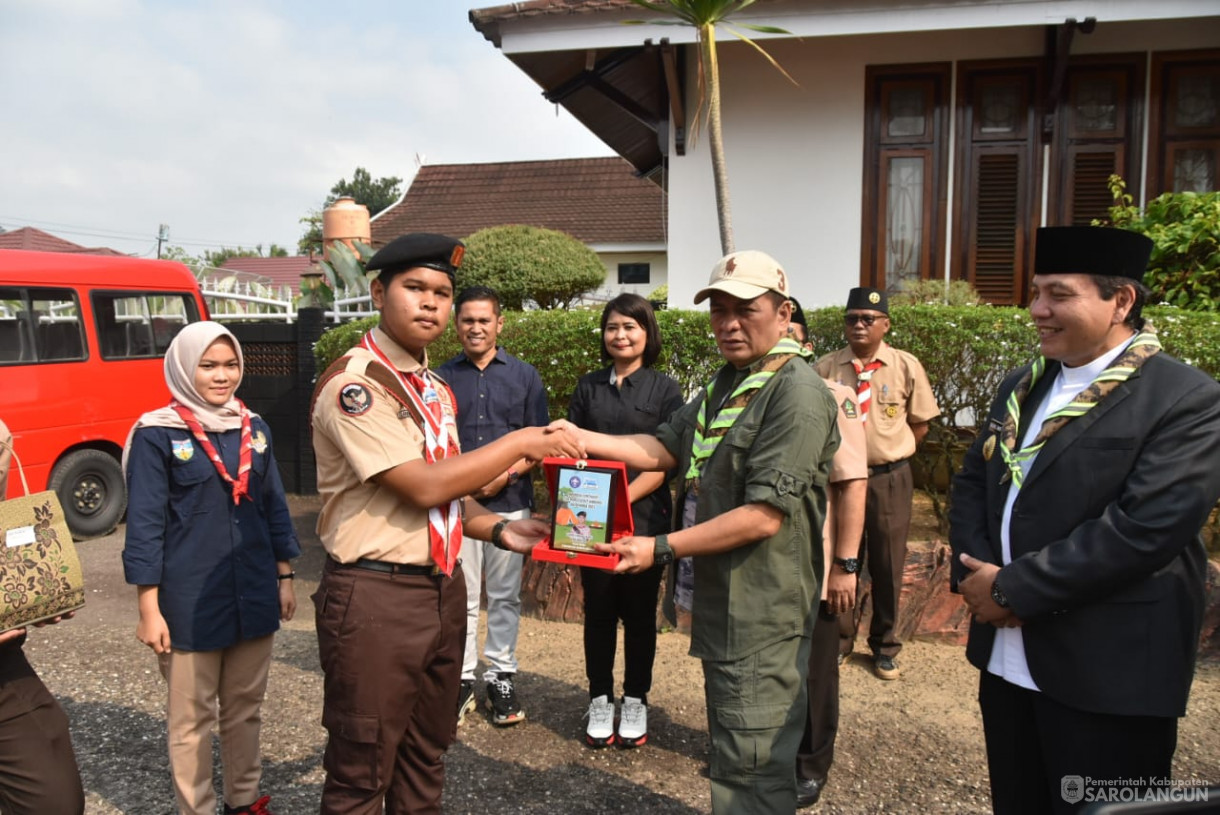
[817, 750]
[631, 598]
[38, 772]
[887, 520]
[1037, 748]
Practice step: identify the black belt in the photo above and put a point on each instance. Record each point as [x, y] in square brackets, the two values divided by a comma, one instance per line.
[881, 469]
[392, 568]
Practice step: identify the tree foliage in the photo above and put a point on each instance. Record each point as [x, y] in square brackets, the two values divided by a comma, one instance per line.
[526, 264]
[1184, 270]
[376, 195]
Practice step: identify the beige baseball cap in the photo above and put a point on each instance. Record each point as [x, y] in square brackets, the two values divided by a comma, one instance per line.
[746, 275]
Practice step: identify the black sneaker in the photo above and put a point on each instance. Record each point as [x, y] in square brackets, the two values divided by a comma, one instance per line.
[502, 701]
[466, 700]
[885, 667]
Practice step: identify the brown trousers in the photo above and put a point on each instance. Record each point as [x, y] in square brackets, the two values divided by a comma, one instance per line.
[224, 686]
[887, 520]
[391, 650]
[38, 772]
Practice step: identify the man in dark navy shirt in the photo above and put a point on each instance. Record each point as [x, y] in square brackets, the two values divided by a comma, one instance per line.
[496, 394]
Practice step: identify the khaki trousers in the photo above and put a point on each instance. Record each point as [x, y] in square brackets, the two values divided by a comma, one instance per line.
[206, 687]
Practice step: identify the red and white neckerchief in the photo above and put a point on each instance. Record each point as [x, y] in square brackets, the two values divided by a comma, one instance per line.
[864, 390]
[241, 486]
[444, 523]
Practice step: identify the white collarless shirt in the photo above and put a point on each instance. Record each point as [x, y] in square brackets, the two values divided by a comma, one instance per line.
[1008, 651]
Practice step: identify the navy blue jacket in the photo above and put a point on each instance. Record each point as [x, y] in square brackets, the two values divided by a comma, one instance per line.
[505, 396]
[214, 562]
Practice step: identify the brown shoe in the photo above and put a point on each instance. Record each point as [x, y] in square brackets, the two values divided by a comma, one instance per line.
[885, 667]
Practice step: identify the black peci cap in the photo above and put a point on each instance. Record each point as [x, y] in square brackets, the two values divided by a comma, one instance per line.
[798, 315]
[868, 299]
[416, 249]
[1096, 250]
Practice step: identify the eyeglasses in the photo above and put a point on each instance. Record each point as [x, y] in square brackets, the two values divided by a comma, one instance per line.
[867, 319]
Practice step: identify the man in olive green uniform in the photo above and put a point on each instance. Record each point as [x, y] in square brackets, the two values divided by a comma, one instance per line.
[754, 449]
[896, 403]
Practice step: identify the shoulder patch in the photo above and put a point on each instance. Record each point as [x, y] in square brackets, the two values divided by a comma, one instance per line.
[355, 399]
[849, 409]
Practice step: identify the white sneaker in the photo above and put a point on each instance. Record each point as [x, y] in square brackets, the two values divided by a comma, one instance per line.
[633, 724]
[600, 730]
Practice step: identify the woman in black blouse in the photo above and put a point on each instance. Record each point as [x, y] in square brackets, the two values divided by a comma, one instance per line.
[626, 397]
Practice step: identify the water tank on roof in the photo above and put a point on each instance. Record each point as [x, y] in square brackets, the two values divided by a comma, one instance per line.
[346, 221]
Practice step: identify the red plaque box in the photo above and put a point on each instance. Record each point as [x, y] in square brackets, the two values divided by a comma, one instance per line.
[607, 511]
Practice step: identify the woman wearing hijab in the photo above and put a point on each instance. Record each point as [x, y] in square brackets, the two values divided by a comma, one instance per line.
[209, 540]
[626, 397]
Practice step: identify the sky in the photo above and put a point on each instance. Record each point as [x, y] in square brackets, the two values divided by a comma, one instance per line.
[230, 120]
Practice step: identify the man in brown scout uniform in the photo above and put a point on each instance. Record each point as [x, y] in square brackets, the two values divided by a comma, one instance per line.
[391, 606]
[845, 498]
[896, 403]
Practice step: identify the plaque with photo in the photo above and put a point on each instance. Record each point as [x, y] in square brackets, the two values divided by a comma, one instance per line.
[584, 507]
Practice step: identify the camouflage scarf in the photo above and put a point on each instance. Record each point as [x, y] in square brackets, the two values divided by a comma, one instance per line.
[708, 435]
[1142, 348]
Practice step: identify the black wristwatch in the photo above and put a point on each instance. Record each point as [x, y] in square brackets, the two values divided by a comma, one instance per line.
[997, 594]
[850, 565]
[497, 536]
[662, 553]
[513, 477]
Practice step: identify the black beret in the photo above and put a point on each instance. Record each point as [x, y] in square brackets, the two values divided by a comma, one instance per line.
[868, 299]
[798, 314]
[1097, 250]
[416, 249]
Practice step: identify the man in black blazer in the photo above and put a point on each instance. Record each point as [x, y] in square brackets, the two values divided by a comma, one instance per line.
[1075, 525]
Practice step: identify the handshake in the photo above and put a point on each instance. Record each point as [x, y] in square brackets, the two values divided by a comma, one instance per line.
[559, 439]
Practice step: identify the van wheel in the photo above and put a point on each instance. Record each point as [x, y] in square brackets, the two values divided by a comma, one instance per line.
[90, 487]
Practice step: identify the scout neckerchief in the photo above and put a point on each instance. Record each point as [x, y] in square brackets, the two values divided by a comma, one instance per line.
[241, 486]
[444, 523]
[864, 390]
[1142, 348]
[708, 436]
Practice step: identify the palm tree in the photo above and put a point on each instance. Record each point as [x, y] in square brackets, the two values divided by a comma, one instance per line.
[704, 16]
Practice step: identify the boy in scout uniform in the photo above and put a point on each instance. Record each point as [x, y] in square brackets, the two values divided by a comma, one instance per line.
[896, 403]
[391, 605]
[845, 499]
[754, 448]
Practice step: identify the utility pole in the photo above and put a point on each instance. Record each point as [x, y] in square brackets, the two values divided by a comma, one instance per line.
[162, 236]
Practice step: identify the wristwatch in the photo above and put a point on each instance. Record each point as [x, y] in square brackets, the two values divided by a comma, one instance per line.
[513, 477]
[497, 536]
[850, 565]
[997, 594]
[662, 553]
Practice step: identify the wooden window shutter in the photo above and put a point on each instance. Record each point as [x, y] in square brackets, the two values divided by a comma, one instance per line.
[996, 248]
[1088, 195]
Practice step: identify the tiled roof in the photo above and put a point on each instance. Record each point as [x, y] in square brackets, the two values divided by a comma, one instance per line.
[596, 200]
[280, 271]
[35, 240]
[487, 20]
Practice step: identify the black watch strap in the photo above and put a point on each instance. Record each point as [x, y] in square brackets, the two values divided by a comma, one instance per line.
[497, 535]
[998, 595]
[662, 552]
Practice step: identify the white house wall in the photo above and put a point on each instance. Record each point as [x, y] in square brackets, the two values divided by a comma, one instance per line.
[795, 154]
[658, 271]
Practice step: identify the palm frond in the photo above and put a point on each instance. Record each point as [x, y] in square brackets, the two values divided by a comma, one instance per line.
[763, 51]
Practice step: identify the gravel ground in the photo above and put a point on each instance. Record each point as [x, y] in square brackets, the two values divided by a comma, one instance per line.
[911, 746]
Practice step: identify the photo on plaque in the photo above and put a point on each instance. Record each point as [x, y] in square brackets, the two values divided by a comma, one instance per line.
[584, 508]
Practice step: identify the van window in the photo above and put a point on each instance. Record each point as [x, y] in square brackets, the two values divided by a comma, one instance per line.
[134, 325]
[40, 325]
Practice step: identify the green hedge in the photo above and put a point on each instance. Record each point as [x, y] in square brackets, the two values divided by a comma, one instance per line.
[966, 351]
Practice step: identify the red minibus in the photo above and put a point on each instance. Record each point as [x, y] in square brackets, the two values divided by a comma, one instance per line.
[82, 339]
